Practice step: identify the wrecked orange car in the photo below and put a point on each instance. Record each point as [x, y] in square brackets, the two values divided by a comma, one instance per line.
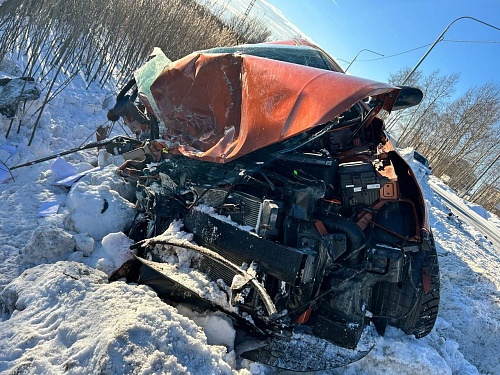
[301, 220]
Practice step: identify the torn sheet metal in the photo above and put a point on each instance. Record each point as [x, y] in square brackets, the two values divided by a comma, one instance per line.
[218, 107]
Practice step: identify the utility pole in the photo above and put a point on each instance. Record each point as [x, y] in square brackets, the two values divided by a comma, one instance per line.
[249, 8]
[245, 15]
[439, 38]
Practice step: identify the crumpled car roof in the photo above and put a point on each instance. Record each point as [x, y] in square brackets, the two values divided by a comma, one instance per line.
[218, 107]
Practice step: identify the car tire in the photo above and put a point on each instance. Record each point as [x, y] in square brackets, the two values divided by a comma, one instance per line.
[413, 304]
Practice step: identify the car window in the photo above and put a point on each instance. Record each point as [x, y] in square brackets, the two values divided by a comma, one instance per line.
[296, 55]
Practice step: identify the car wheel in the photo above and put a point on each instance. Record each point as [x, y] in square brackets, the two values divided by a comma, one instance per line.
[413, 304]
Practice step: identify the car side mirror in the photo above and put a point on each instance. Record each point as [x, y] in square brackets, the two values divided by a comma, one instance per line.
[408, 97]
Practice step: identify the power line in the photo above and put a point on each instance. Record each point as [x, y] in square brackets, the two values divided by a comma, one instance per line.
[389, 56]
[473, 41]
[397, 54]
[426, 45]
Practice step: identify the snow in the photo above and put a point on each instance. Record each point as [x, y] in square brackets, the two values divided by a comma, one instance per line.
[66, 318]
[96, 198]
[492, 219]
[59, 313]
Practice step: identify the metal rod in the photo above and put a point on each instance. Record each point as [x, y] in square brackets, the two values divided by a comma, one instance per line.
[118, 139]
[439, 38]
[355, 57]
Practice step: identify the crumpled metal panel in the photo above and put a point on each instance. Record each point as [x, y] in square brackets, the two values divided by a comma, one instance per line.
[218, 107]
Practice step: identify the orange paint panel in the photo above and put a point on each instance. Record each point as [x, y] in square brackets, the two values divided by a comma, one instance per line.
[218, 107]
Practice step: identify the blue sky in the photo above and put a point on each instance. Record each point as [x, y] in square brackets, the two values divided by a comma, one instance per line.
[390, 27]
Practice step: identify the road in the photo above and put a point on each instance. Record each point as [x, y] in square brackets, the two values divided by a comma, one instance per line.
[469, 216]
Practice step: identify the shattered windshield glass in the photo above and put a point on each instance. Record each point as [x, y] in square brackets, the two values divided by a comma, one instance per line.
[146, 75]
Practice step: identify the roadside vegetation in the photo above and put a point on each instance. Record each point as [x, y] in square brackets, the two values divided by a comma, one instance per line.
[459, 134]
[105, 41]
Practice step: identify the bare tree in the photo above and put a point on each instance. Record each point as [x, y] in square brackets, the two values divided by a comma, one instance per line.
[248, 30]
[468, 124]
[108, 40]
[418, 123]
[460, 137]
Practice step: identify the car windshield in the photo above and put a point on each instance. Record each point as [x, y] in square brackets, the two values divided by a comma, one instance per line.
[307, 56]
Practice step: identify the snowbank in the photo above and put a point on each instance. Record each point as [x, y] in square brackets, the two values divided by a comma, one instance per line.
[98, 208]
[66, 318]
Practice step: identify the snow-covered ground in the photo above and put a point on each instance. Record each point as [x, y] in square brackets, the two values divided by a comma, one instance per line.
[473, 214]
[58, 246]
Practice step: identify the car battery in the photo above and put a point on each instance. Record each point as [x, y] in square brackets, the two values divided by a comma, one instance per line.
[314, 164]
[360, 184]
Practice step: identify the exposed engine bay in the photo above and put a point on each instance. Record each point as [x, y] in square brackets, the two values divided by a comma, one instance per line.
[320, 233]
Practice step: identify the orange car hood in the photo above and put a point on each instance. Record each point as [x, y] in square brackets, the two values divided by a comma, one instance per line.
[218, 107]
